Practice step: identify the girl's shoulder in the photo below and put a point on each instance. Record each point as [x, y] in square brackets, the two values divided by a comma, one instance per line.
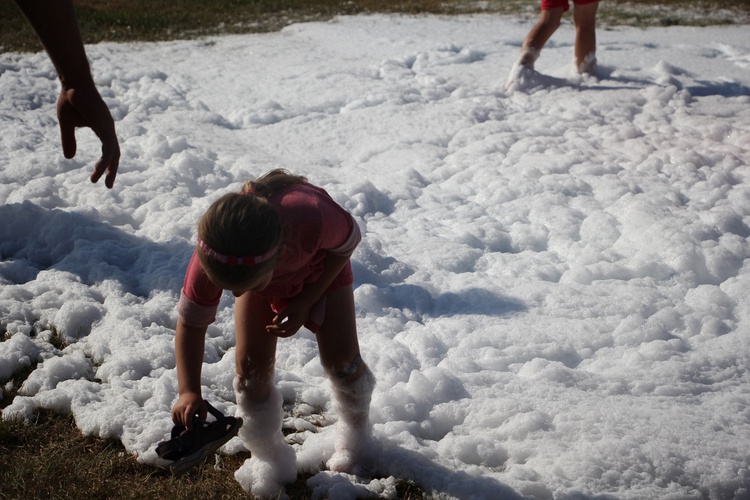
[302, 196]
[309, 205]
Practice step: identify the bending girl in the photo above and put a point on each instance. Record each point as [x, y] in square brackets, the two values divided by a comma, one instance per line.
[282, 246]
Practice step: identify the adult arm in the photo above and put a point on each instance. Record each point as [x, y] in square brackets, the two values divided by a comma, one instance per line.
[79, 103]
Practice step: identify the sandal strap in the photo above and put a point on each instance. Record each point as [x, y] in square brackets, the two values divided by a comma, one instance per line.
[203, 432]
[213, 411]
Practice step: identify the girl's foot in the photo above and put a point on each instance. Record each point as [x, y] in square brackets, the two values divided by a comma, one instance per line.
[265, 477]
[355, 457]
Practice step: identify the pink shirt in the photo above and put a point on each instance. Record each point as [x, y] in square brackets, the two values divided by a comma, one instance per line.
[314, 225]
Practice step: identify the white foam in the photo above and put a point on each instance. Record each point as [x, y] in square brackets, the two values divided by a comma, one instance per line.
[552, 288]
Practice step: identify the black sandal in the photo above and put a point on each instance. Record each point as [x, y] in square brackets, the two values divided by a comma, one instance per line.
[186, 449]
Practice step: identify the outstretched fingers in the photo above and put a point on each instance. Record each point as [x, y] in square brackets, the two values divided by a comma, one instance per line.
[109, 162]
[84, 107]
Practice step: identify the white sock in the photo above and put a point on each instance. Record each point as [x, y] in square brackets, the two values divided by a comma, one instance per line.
[272, 463]
[354, 448]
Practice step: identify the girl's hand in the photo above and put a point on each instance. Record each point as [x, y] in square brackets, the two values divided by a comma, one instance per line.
[290, 319]
[187, 406]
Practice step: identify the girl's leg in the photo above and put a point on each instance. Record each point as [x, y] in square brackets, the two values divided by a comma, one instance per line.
[351, 380]
[584, 17]
[272, 462]
[255, 354]
[549, 21]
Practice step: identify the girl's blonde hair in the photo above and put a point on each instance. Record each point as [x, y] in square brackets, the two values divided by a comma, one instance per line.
[243, 225]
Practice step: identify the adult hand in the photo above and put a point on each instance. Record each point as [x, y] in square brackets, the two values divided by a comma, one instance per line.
[84, 107]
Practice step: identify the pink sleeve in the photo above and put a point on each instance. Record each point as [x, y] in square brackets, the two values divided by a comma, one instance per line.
[339, 233]
[351, 242]
[199, 299]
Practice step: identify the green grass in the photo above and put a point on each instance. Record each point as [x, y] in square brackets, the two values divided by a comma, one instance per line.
[155, 20]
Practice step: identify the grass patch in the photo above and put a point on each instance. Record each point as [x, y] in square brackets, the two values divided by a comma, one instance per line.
[646, 13]
[50, 458]
[9, 387]
[159, 20]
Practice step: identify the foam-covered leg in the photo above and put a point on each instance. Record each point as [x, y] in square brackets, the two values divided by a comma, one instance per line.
[522, 71]
[273, 462]
[354, 448]
[528, 57]
[588, 63]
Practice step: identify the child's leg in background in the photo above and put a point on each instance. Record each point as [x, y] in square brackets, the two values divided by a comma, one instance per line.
[584, 17]
[351, 380]
[272, 463]
[549, 21]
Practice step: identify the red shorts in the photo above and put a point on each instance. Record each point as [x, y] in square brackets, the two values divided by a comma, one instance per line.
[556, 4]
